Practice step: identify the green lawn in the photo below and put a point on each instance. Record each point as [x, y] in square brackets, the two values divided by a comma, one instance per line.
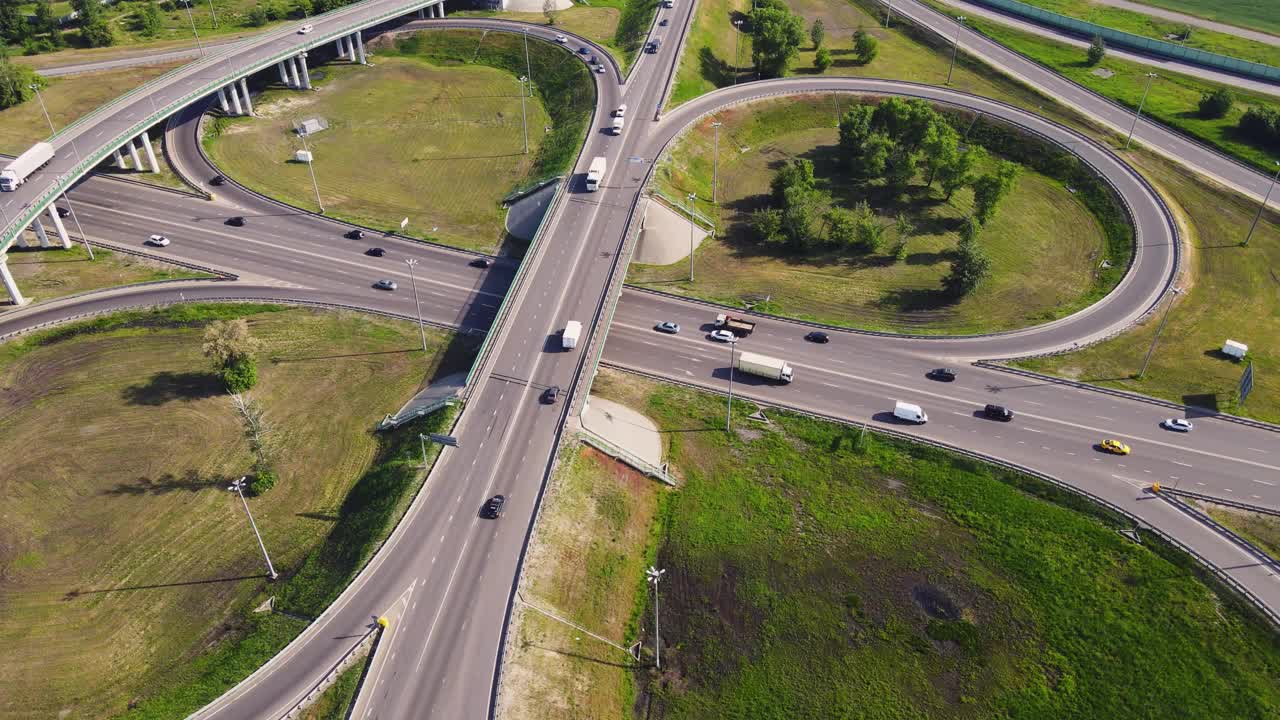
[813, 572]
[1257, 14]
[125, 560]
[53, 273]
[336, 701]
[1038, 272]
[1159, 28]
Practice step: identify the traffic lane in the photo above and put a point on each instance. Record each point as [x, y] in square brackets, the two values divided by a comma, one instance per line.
[869, 397]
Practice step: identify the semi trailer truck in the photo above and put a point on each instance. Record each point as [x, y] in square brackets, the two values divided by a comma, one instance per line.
[595, 173]
[764, 366]
[21, 167]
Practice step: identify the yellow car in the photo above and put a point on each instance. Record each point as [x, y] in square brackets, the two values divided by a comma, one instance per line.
[1115, 447]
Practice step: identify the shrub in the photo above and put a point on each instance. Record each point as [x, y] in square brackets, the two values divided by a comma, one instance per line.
[822, 60]
[240, 375]
[1261, 125]
[258, 16]
[865, 47]
[1097, 50]
[1216, 104]
[263, 480]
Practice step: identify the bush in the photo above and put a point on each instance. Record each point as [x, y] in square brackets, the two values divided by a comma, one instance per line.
[1216, 104]
[1261, 125]
[263, 480]
[865, 47]
[822, 60]
[98, 33]
[15, 83]
[258, 16]
[1097, 50]
[240, 374]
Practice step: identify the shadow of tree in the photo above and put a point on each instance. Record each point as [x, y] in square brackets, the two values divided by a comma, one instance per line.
[713, 69]
[190, 482]
[167, 386]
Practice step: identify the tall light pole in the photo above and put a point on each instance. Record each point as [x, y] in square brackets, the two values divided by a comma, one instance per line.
[45, 110]
[311, 166]
[955, 46]
[76, 219]
[737, 57]
[238, 487]
[1138, 114]
[213, 14]
[416, 306]
[1262, 207]
[1159, 329]
[528, 69]
[524, 118]
[715, 161]
[888, 13]
[728, 413]
[654, 575]
[193, 28]
[689, 204]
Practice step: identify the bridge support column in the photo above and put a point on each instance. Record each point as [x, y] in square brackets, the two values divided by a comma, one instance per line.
[40, 233]
[133, 155]
[244, 90]
[119, 159]
[351, 48]
[62, 229]
[235, 99]
[360, 48]
[10, 285]
[145, 139]
[422, 15]
[306, 74]
[222, 100]
[284, 76]
[293, 73]
[342, 52]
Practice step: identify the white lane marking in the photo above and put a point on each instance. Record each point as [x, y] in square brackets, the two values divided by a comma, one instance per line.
[1033, 402]
[1264, 452]
[1104, 417]
[1033, 430]
[1175, 462]
[1131, 481]
[1262, 482]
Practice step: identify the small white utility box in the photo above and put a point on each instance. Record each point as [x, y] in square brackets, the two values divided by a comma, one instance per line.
[302, 156]
[1235, 349]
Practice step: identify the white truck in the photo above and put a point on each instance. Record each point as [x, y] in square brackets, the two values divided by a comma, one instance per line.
[618, 122]
[21, 167]
[764, 366]
[595, 173]
[569, 338]
[910, 413]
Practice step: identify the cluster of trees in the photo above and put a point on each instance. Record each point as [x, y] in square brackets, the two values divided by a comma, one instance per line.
[865, 46]
[40, 33]
[1261, 125]
[15, 83]
[776, 36]
[802, 217]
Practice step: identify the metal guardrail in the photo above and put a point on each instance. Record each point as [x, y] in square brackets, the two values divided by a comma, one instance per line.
[1220, 501]
[677, 206]
[1147, 45]
[594, 440]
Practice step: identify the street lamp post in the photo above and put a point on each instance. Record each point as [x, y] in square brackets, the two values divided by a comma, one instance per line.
[888, 13]
[715, 161]
[737, 57]
[193, 29]
[654, 575]
[528, 69]
[955, 47]
[728, 413]
[311, 167]
[1263, 206]
[1159, 329]
[43, 109]
[1138, 114]
[416, 306]
[238, 487]
[213, 14]
[76, 219]
[524, 118]
[689, 204]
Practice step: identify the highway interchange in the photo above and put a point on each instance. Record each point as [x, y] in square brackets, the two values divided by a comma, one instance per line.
[448, 575]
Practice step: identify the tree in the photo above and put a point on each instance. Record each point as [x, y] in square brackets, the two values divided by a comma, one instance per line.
[904, 227]
[969, 268]
[240, 375]
[14, 27]
[800, 213]
[258, 16]
[865, 47]
[549, 11]
[230, 346]
[873, 159]
[47, 22]
[15, 83]
[842, 230]
[97, 33]
[1097, 50]
[989, 190]
[260, 434]
[959, 171]
[901, 167]
[797, 173]
[149, 18]
[822, 60]
[87, 10]
[1216, 104]
[855, 126]
[767, 224]
[776, 37]
[1261, 125]
[969, 228]
[303, 8]
[941, 148]
[867, 230]
[817, 33]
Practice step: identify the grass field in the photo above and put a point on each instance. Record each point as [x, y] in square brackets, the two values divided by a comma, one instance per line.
[54, 273]
[336, 701]
[1158, 28]
[125, 560]
[873, 292]
[1257, 14]
[813, 573]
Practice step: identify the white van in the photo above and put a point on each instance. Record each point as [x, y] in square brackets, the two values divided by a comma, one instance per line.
[569, 338]
[617, 125]
[910, 413]
[621, 111]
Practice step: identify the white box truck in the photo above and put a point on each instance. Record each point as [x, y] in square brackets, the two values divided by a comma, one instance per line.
[595, 173]
[910, 413]
[21, 167]
[569, 338]
[764, 366]
[617, 125]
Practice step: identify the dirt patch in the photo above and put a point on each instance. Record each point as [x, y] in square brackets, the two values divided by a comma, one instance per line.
[936, 602]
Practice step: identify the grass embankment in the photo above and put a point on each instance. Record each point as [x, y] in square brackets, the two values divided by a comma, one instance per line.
[1258, 14]
[814, 573]
[336, 702]
[1261, 530]
[619, 25]
[1150, 26]
[128, 568]
[594, 539]
[1038, 272]
[408, 133]
[53, 273]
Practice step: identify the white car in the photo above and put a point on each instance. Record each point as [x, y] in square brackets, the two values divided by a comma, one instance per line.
[1177, 425]
[562, 39]
[600, 69]
[723, 336]
[158, 241]
[305, 29]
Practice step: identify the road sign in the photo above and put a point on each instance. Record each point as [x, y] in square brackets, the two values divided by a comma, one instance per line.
[1246, 383]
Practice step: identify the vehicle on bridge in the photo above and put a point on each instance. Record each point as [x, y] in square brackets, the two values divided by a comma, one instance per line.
[595, 173]
[21, 168]
[735, 325]
[569, 338]
[764, 366]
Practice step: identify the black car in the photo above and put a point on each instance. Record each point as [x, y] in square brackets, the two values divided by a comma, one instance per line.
[818, 336]
[594, 60]
[493, 508]
[63, 212]
[375, 252]
[943, 374]
[354, 235]
[480, 263]
[664, 22]
[998, 412]
[218, 180]
[550, 394]
[583, 51]
[236, 221]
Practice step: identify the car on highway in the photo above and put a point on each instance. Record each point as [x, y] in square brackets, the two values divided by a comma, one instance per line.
[385, 284]
[217, 180]
[158, 241]
[375, 252]
[584, 50]
[1177, 425]
[723, 336]
[1115, 447]
[306, 29]
[998, 412]
[562, 39]
[817, 336]
[599, 69]
[236, 221]
[480, 263]
[493, 507]
[942, 374]
[550, 394]
[665, 22]
[354, 235]
[63, 212]
[667, 327]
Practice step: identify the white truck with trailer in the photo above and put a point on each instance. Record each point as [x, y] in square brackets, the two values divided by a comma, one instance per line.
[764, 366]
[595, 173]
[21, 167]
[569, 338]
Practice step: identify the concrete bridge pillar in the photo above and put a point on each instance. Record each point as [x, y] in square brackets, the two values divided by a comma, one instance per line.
[244, 90]
[284, 76]
[360, 48]
[235, 99]
[342, 51]
[62, 229]
[422, 15]
[133, 155]
[222, 100]
[293, 73]
[10, 285]
[151, 153]
[119, 159]
[306, 74]
[40, 233]
[351, 48]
